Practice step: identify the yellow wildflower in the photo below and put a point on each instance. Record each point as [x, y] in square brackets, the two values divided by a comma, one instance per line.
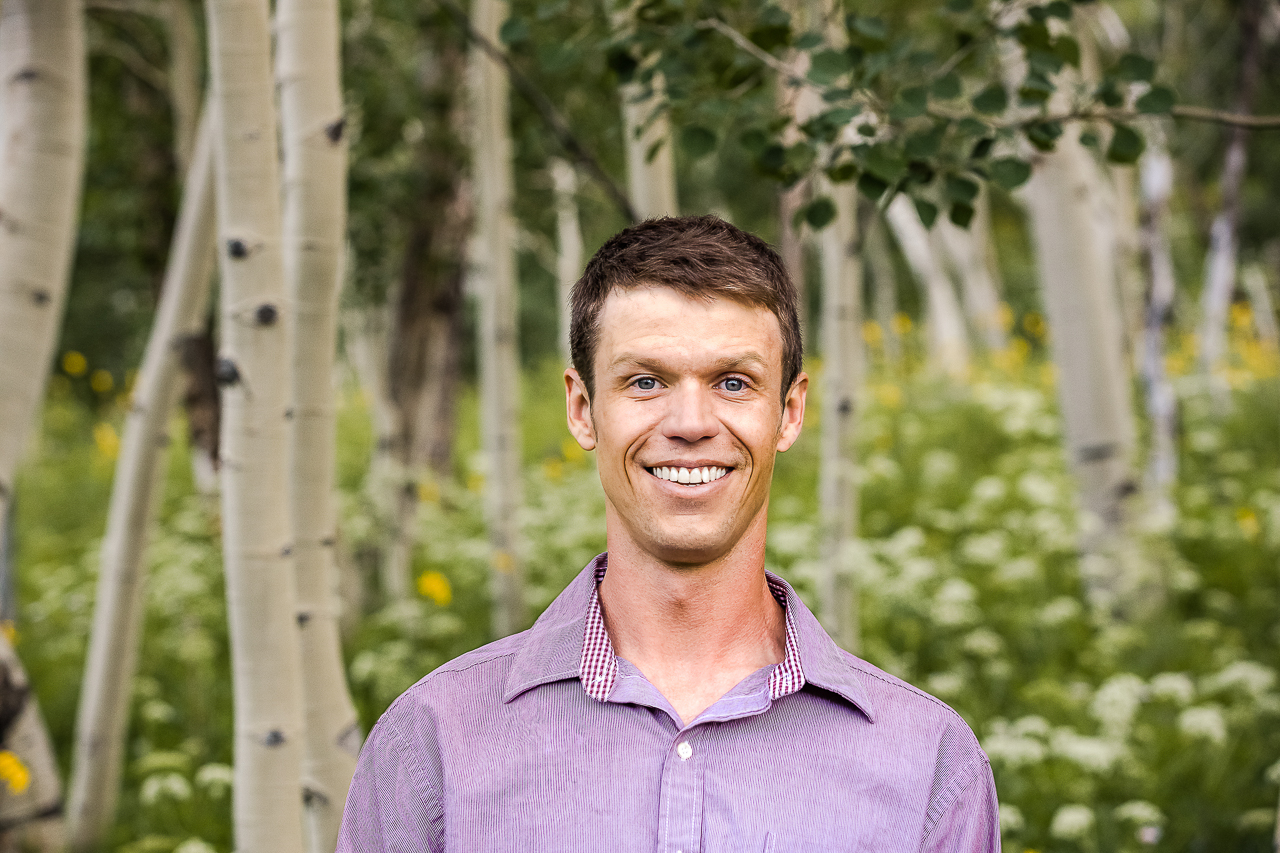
[1248, 521]
[901, 323]
[102, 381]
[436, 587]
[74, 364]
[104, 436]
[872, 333]
[13, 772]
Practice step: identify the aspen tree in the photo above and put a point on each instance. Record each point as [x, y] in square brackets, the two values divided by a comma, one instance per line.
[651, 170]
[42, 139]
[967, 250]
[948, 342]
[495, 286]
[880, 264]
[1078, 280]
[314, 226]
[254, 371]
[106, 686]
[568, 244]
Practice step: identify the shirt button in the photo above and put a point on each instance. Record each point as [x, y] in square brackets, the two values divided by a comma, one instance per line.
[684, 751]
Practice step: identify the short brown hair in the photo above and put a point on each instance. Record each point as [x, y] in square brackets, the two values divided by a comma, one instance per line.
[700, 256]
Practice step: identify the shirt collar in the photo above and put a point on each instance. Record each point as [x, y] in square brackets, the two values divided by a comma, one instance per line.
[569, 641]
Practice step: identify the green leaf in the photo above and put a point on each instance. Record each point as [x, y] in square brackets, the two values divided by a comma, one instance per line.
[513, 31]
[1033, 36]
[801, 156]
[970, 126]
[961, 189]
[622, 63]
[961, 214]
[1159, 100]
[919, 172]
[820, 212]
[1036, 89]
[866, 130]
[871, 186]
[1126, 145]
[926, 144]
[809, 41]
[1089, 139]
[1008, 172]
[946, 87]
[754, 139]
[1044, 135]
[1058, 9]
[959, 6]
[843, 172]
[1109, 93]
[1133, 68]
[826, 65]
[992, 100]
[868, 27]
[981, 148]
[697, 141]
[927, 210]
[884, 161]
[1067, 49]
[912, 101]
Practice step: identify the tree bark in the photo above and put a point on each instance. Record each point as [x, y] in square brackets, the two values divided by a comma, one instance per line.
[42, 140]
[967, 251]
[1078, 277]
[568, 244]
[880, 262]
[314, 230]
[254, 371]
[1220, 263]
[30, 810]
[651, 171]
[948, 342]
[107, 682]
[495, 284]
[1162, 402]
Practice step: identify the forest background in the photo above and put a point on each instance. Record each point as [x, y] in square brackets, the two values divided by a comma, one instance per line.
[1041, 472]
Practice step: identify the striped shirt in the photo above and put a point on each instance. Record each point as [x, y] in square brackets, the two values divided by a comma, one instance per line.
[511, 748]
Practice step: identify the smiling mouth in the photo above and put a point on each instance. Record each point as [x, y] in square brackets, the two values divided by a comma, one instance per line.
[690, 476]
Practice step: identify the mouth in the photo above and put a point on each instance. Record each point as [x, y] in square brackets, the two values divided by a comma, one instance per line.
[690, 476]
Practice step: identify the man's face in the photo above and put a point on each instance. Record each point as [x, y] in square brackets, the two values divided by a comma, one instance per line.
[687, 416]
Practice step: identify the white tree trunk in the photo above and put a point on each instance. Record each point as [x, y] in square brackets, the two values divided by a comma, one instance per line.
[948, 343]
[1264, 312]
[42, 139]
[495, 284]
[841, 374]
[1162, 402]
[106, 687]
[568, 244]
[314, 230]
[31, 815]
[651, 170]
[880, 262]
[254, 370]
[185, 68]
[967, 251]
[1078, 277]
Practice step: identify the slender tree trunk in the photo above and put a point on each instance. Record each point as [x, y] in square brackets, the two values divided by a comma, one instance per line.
[42, 65]
[651, 171]
[1077, 274]
[880, 262]
[841, 374]
[1264, 312]
[184, 77]
[314, 230]
[254, 371]
[568, 244]
[139, 481]
[948, 343]
[1162, 401]
[967, 251]
[1220, 263]
[31, 814]
[497, 342]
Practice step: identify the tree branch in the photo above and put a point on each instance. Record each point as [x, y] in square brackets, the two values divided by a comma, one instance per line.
[542, 104]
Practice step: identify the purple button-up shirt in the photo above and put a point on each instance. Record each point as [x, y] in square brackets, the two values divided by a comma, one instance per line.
[504, 750]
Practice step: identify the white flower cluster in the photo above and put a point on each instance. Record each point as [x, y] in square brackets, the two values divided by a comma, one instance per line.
[1072, 822]
[1116, 702]
[1204, 721]
[1250, 677]
[1174, 686]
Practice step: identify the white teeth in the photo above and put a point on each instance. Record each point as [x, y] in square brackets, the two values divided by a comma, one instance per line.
[690, 476]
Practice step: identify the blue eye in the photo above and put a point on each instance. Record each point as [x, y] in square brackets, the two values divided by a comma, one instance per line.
[646, 383]
[734, 384]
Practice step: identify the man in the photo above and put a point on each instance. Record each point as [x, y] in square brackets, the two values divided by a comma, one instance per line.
[675, 697]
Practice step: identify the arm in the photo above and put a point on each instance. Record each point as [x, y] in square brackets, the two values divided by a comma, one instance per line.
[972, 823]
[392, 807]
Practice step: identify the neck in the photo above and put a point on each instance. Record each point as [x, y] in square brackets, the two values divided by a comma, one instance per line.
[694, 631]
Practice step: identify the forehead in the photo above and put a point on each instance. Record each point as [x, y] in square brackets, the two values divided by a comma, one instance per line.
[654, 318]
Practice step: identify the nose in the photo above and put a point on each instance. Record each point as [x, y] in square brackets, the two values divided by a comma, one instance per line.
[690, 415]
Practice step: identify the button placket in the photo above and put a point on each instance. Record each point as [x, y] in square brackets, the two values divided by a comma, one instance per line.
[680, 815]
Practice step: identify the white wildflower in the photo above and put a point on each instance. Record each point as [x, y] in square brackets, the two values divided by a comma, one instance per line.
[989, 489]
[1011, 819]
[1116, 703]
[1012, 745]
[164, 785]
[195, 845]
[215, 778]
[1062, 609]
[1257, 820]
[1272, 774]
[1033, 724]
[945, 684]
[938, 466]
[983, 642]
[1248, 676]
[1140, 812]
[1038, 489]
[1204, 721]
[953, 604]
[1149, 835]
[1174, 686]
[1017, 570]
[1072, 822]
[986, 548]
[1091, 753]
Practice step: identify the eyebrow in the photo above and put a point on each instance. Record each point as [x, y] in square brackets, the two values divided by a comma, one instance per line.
[744, 362]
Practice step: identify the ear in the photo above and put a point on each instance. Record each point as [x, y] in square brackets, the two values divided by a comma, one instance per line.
[578, 408]
[793, 412]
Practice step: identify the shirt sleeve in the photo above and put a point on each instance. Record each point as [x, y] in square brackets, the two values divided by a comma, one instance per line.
[972, 823]
[392, 806]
